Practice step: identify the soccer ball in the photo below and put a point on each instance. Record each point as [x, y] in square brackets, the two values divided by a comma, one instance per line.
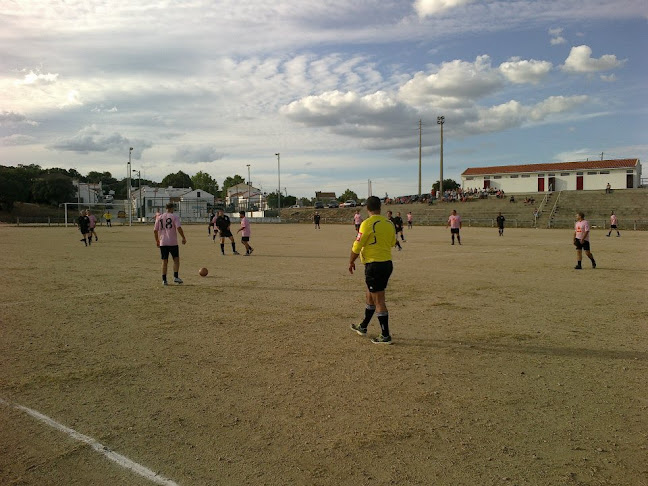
[203, 272]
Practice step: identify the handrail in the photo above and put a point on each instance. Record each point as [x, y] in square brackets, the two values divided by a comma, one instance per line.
[553, 210]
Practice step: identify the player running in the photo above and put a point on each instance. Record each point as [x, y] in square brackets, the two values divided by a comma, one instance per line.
[398, 224]
[166, 232]
[357, 220]
[614, 221]
[393, 221]
[245, 236]
[409, 220]
[84, 227]
[93, 224]
[373, 244]
[581, 240]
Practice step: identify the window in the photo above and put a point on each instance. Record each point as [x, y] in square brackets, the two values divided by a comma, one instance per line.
[197, 193]
[591, 173]
[564, 174]
[469, 178]
[497, 177]
[486, 178]
[629, 171]
[551, 175]
[579, 173]
[540, 175]
[604, 172]
[526, 175]
[515, 176]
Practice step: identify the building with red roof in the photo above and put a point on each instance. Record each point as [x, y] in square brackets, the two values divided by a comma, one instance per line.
[560, 176]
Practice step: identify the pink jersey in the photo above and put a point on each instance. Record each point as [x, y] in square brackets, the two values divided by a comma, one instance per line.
[455, 221]
[167, 227]
[245, 225]
[213, 222]
[357, 219]
[93, 221]
[613, 220]
[409, 218]
[582, 228]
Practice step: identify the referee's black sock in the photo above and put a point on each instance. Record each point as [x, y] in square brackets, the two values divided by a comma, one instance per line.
[383, 319]
[233, 246]
[369, 312]
[175, 274]
[223, 248]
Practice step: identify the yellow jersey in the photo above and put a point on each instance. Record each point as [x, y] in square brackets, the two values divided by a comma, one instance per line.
[376, 238]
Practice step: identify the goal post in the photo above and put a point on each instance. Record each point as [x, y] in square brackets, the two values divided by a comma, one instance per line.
[73, 208]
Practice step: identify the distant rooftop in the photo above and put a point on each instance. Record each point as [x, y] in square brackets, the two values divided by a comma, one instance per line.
[556, 167]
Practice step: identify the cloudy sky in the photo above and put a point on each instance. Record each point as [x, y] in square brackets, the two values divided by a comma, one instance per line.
[337, 87]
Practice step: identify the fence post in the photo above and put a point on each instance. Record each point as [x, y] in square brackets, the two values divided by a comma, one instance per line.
[48, 221]
[18, 222]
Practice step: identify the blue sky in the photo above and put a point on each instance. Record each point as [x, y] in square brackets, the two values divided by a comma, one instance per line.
[337, 87]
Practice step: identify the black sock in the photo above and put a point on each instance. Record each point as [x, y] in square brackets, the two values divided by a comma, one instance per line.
[223, 248]
[578, 264]
[398, 244]
[383, 319]
[233, 246]
[164, 277]
[369, 312]
[175, 274]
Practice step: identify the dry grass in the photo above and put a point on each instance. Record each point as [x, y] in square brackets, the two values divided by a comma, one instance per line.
[508, 366]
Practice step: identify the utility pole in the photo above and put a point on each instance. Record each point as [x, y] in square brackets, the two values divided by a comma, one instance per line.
[601, 155]
[279, 183]
[420, 139]
[128, 188]
[249, 184]
[441, 121]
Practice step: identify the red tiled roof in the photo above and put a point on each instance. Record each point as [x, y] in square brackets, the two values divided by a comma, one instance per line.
[555, 167]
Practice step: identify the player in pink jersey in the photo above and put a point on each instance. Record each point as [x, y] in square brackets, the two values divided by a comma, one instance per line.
[409, 220]
[614, 221]
[454, 222]
[245, 235]
[167, 227]
[93, 223]
[357, 220]
[581, 240]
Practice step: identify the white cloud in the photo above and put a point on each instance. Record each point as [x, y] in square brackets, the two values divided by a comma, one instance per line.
[609, 78]
[192, 154]
[580, 60]
[37, 78]
[556, 36]
[90, 139]
[11, 119]
[426, 8]
[18, 139]
[521, 71]
[454, 79]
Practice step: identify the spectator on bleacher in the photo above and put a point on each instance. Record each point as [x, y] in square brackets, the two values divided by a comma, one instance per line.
[608, 189]
[512, 199]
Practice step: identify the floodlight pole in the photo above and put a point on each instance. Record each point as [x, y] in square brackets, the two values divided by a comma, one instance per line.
[420, 140]
[248, 201]
[441, 121]
[139, 185]
[128, 188]
[279, 183]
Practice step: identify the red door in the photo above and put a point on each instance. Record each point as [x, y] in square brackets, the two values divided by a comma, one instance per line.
[540, 184]
[629, 181]
[486, 183]
[579, 183]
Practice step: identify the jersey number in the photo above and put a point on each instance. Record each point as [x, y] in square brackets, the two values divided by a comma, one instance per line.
[168, 223]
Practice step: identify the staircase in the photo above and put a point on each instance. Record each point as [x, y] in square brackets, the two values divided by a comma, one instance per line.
[554, 211]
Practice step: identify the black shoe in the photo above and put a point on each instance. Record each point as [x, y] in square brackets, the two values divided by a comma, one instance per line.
[593, 264]
[382, 340]
[578, 267]
[359, 329]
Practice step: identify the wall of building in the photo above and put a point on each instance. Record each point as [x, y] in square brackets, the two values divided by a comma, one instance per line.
[563, 181]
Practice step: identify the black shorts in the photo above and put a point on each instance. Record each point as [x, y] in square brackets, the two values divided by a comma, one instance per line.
[225, 233]
[357, 226]
[613, 226]
[377, 275]
[165, 250]
[454, 231]
[84, 230]
[245, 238]
[581, 246]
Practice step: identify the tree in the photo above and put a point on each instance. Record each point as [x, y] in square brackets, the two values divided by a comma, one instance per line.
[53, 189]
[179, 179]
[448, 185]
[231, 182]
[348, 194]
[14, 187]
[205, 182]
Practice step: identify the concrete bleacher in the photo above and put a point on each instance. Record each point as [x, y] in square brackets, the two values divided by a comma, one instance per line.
[630, 205]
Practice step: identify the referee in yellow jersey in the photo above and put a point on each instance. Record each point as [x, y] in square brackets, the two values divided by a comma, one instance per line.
[376, 238]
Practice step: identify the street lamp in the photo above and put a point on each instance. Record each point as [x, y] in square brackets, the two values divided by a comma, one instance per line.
[248, 201]
[140, 212]
[441, 121]
[279, 176]
[128, 188]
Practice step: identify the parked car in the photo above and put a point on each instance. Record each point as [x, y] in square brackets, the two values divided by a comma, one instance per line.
[319, 205]
[350, 203]
[333, 204]
[295, 206]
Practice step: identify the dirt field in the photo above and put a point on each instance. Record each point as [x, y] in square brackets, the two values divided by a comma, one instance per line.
[508, 368]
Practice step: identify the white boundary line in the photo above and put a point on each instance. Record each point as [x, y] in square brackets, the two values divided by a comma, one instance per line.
[122, 461]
